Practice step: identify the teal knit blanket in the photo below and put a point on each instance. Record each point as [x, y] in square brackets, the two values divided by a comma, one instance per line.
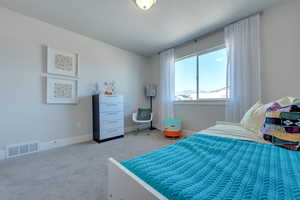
[209, 167]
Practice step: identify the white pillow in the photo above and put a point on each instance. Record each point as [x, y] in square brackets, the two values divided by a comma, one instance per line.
[251, 119]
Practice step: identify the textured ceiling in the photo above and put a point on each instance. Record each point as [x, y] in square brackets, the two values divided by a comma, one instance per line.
[122, 24]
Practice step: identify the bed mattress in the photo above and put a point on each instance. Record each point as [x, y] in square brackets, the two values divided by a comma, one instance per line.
[212, 167]
[234, 130]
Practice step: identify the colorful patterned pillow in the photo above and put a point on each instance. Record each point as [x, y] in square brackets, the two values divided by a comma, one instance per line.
[282, 126]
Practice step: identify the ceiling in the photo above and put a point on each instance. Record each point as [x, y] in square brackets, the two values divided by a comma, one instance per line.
[122, 24]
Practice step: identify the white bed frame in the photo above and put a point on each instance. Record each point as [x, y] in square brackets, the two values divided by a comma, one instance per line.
[124, 185]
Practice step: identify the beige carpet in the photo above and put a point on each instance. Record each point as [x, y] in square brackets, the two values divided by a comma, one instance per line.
[76, 172]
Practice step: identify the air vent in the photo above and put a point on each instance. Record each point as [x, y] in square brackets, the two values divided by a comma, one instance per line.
[21, 149]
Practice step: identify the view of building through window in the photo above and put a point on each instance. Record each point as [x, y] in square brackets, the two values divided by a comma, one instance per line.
[211, 78]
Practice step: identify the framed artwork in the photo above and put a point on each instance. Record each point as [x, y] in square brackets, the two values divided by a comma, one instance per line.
[61, 91]
[62, 63]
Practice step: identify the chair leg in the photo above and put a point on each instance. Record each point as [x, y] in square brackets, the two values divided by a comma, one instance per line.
[137, 129]
[140, 127]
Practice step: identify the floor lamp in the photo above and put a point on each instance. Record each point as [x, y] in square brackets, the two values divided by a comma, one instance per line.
[151, 91]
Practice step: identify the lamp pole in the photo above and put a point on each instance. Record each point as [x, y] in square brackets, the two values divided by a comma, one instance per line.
[151, 126]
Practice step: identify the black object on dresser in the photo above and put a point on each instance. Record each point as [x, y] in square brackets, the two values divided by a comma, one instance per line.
[108, 117]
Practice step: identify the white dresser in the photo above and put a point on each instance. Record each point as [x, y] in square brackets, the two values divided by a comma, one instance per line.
[108, 117]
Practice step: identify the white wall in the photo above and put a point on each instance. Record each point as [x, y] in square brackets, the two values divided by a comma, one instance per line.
[280, 64]
[155, 79]
[24, 116]
[281, 51]
[200, 44]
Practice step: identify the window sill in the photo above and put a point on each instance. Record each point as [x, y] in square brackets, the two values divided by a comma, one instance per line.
[213, 102]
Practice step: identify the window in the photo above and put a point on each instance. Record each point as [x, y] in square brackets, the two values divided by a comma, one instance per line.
[202, 76]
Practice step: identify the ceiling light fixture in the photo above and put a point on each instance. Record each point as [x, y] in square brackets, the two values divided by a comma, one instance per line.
[145, 4]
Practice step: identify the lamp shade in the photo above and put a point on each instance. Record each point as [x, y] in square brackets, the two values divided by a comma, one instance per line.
[151, 90]
[145, 4]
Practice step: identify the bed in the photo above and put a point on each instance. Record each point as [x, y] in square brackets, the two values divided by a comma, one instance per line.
[225, 161]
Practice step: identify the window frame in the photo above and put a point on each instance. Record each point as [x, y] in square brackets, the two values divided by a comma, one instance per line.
[201, 101]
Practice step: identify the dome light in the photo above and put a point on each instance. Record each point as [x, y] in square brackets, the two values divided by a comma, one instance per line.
[145, 4]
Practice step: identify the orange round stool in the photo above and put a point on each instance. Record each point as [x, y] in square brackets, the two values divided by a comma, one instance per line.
[172, 134]
[172, 128]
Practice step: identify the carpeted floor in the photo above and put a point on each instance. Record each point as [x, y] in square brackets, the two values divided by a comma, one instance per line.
[76, 172]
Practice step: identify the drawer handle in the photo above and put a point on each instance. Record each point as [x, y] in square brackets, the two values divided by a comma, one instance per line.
[111, 113]
[114, 130]
[111, 122]
[111, 104]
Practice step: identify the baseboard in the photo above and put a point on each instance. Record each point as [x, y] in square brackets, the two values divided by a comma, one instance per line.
[130, 129]
[157, 126]
[44, 146]
[134, 128]
[185, 131]
[188, 132]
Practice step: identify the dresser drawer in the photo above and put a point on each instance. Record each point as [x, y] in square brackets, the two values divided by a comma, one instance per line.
[109, 133]
[107, 125]
[111, 99]
[111, 116]
[111, 107]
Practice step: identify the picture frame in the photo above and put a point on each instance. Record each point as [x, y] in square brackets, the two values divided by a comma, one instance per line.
[60, 62]
[61, 90]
